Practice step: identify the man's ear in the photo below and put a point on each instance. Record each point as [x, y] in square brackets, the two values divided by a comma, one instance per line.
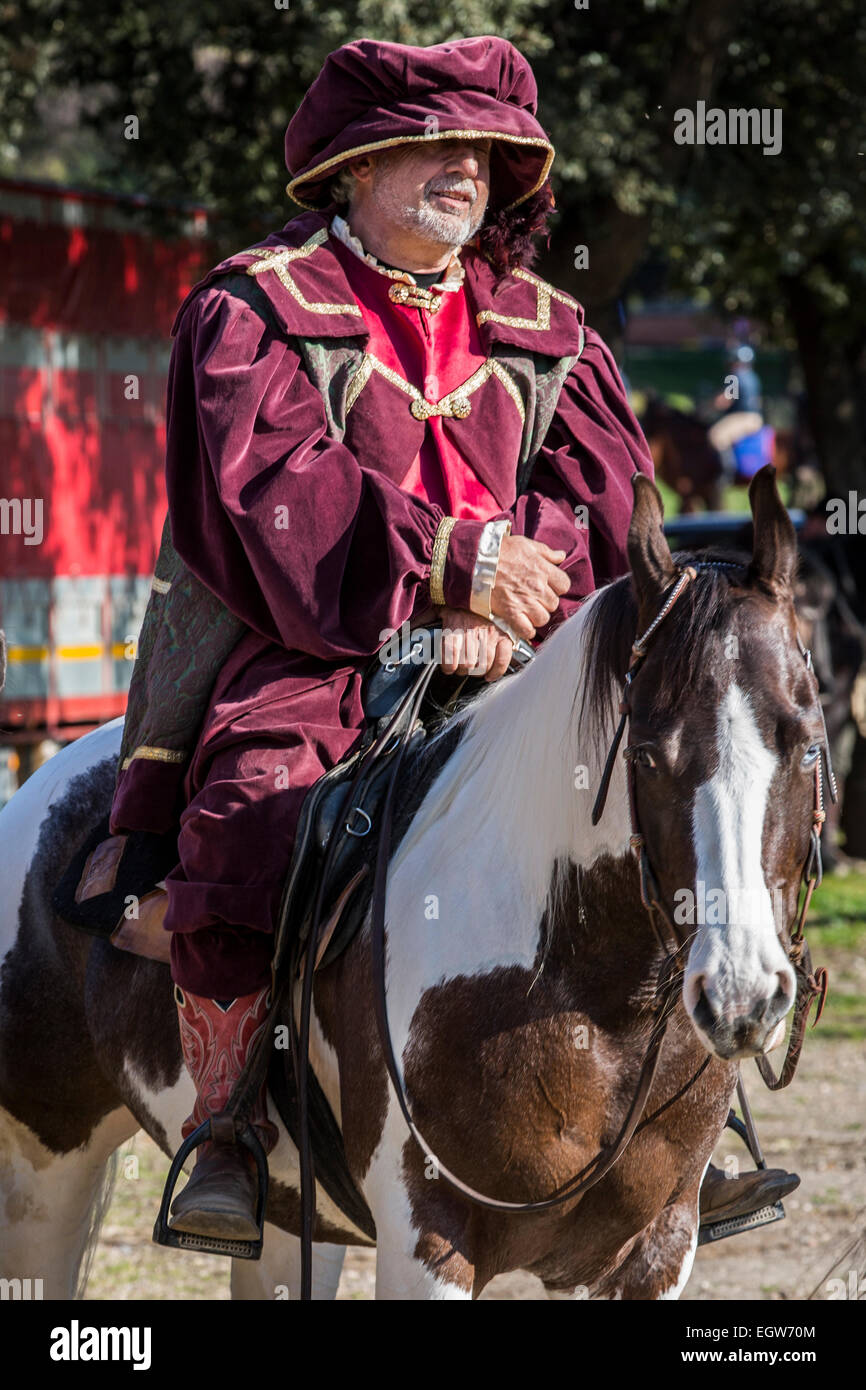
[362, 168]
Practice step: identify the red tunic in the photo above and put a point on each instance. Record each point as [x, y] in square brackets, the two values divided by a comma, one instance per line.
[248, 434]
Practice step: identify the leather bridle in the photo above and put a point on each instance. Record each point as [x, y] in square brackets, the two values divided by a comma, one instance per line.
[811, 984]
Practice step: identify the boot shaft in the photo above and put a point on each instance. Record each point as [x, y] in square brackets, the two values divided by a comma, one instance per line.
[217, 1037]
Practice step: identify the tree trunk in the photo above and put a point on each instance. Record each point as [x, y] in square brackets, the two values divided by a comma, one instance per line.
[834, 368]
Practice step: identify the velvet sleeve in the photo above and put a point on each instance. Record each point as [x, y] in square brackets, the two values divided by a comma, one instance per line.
[307, 546]
[579, 497]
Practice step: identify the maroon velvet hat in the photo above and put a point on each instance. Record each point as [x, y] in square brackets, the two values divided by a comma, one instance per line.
[371, 96]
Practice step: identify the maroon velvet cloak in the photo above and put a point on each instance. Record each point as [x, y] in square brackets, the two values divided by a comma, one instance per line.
[315, 544]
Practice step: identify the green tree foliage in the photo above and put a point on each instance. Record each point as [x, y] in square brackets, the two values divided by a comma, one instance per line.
[778, 237]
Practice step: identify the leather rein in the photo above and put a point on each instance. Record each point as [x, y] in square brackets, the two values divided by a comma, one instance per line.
[666, 992]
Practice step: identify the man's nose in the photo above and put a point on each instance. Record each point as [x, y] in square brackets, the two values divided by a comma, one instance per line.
[465, 162]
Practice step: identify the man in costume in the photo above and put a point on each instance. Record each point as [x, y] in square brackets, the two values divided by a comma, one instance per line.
[379, 414]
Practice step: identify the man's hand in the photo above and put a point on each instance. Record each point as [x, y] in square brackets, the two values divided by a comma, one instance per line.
[529, 584]
[473, 646]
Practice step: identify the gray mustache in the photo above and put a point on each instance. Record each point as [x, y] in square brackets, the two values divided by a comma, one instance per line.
[470, 192]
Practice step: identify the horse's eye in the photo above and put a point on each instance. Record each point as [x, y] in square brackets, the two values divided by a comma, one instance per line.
[811, 755]
[644, 757]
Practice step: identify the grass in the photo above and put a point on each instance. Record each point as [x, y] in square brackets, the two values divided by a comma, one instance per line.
[836, 932]
[734, 499]
[838, 913]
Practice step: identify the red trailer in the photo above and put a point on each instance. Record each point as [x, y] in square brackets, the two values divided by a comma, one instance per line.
[87, 299]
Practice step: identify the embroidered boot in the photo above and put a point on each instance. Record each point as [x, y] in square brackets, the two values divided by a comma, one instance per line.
[216, 1037]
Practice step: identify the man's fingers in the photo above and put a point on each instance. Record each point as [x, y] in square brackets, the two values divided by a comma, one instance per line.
[537, 613]
[485, 655]
[559, 580]
[521, 624]
[501, 658]
[470, 651]
[452, 647]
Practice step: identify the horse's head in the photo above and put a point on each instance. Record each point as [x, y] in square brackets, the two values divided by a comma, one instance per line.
[725, 743]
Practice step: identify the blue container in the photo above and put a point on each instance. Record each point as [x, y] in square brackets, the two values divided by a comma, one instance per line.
[752, 452]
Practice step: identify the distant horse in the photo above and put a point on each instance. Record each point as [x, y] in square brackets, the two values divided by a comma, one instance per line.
[683, 456]
[522, 965]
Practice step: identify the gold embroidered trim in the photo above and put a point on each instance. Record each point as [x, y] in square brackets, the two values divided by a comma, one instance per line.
[156, 755]
[544, 294]
[160, 586]
[503, 374]
[315, 173]
[440, 553]
[455, 404]
[278, 258]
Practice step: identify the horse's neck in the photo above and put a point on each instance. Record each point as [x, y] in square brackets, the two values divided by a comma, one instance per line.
[479, 867]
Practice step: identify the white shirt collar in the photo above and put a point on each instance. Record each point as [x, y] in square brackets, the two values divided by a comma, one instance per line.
[452, 277]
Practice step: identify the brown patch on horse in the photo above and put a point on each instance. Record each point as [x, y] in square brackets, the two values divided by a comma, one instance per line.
[530, 1106]
[43, 990]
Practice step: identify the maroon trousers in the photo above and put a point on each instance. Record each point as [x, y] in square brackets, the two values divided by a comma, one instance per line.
[277, 720]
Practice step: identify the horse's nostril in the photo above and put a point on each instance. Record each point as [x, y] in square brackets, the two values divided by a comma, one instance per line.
[786, 987]
[703, 1014]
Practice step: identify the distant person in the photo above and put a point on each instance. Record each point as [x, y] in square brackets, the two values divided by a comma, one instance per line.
[743, 412]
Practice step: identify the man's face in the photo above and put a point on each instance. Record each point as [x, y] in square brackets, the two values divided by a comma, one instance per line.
[437, 189]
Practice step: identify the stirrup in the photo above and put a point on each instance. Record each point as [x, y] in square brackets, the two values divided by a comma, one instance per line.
[749, 1221]
[163, 1234]
[735, 1225]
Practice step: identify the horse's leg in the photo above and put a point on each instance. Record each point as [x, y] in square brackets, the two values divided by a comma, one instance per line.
[660, 1262]
[404, 1271]
[421, 1241]
[277, 1275]
[54, 1203]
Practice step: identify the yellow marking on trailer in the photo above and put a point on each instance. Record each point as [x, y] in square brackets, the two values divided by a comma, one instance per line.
[89, 653]
[119, 652]
[26, 653]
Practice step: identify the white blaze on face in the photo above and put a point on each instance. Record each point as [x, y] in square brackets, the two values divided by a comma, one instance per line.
[736, 958]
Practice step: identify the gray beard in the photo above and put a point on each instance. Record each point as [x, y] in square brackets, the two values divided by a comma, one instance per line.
[440, 228]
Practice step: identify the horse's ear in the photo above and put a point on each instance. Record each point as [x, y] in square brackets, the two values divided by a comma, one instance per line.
[774, 550]
[649, 554]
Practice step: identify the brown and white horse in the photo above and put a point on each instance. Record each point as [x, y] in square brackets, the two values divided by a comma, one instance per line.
[520, 970]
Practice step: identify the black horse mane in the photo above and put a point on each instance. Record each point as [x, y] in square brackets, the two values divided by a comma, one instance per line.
[612, 628]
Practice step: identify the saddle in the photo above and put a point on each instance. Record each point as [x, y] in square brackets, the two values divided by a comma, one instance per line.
[114, 886]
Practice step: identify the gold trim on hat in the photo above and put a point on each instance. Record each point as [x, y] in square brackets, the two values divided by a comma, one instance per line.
[276, 258]
[315, 173]
[455, 404]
